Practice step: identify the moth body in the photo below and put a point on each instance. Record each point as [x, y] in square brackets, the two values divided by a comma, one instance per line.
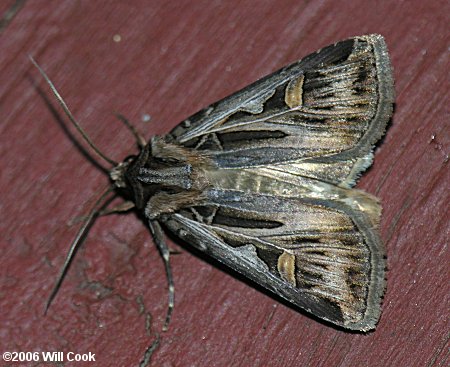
[263, 182]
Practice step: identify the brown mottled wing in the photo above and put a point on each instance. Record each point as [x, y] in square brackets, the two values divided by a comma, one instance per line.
[279, 208]
[319, 117]
[318, 249]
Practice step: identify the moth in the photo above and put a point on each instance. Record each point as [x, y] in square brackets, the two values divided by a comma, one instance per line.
[262, 182]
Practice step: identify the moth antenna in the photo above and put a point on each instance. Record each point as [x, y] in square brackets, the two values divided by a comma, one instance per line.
[69, 114]
[99, 204]
[158, 236]
[140, 140]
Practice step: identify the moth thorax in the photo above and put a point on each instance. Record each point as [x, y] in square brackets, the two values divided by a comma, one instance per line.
[179, 176]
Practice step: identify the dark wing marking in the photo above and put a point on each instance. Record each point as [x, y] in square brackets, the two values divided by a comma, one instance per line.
[322, 255]
[319, 117]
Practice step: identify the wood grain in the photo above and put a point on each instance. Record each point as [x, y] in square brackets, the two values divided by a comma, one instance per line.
[172, 59]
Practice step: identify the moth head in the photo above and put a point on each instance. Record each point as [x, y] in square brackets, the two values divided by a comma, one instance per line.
[118, 172]
[125, 178]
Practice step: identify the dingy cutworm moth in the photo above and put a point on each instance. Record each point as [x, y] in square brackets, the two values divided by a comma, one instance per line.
[262, 181]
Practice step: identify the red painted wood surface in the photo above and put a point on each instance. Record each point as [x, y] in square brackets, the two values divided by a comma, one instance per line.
[173, 59]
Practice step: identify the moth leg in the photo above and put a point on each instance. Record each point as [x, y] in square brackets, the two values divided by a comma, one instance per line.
[120, 208]
[158, 236]
[164, 203]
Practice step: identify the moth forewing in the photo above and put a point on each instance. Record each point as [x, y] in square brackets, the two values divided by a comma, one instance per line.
[261, 181]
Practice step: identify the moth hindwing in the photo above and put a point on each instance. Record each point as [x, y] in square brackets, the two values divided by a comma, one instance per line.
[262, 181]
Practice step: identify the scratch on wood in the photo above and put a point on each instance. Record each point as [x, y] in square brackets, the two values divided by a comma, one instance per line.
[149, 352]
[269, 318]
[435, 356]
[397, 217]
[148, 315]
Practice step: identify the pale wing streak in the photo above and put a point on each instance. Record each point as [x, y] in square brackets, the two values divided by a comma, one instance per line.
[325, 260]
[337, 67]
[317, 291]
[326, 286]
[306, 112]
[246, 238]
[337, 249]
